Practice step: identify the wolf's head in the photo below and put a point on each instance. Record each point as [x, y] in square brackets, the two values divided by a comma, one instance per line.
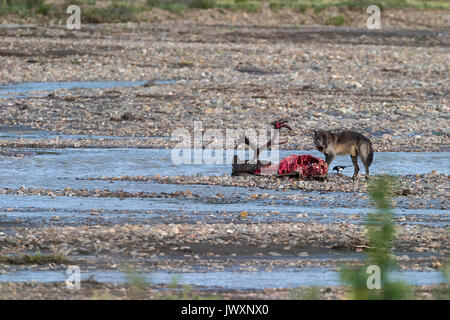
[321, 139]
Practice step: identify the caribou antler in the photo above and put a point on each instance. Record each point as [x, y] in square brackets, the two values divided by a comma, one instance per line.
[250, 168]
[277, 125]
[282, 123]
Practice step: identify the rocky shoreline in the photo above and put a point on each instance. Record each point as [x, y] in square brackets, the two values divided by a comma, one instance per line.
[146, 240]
[100, 291]
[393, 93]
[433, 184]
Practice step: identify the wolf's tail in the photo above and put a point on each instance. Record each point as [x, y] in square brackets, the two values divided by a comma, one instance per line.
[370, 155]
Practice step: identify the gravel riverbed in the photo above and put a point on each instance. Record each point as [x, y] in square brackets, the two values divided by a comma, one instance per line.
[391, 85]
[395, 92]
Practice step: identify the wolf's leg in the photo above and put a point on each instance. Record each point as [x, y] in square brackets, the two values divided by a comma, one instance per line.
[364, 161]
[363, 152]
[329, 157]
[355, 165]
